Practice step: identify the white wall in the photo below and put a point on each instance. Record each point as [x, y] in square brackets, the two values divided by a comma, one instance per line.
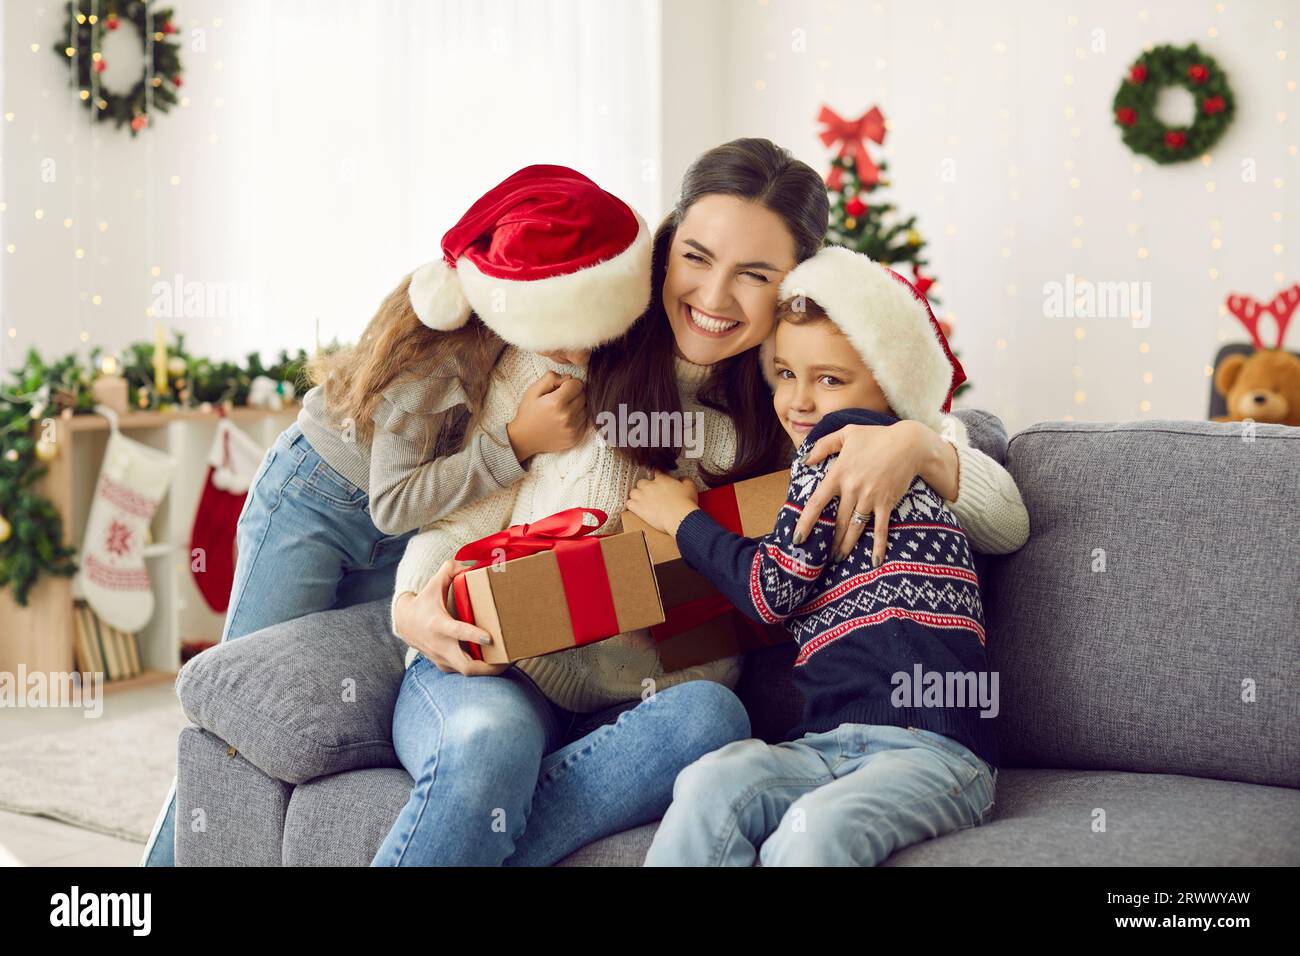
[989, 86]
[315, 197]
[324, 148]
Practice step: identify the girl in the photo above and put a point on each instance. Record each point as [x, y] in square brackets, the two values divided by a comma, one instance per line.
[521, 777]
[388, 441]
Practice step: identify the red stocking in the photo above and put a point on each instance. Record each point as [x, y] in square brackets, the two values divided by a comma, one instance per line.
[232, 465]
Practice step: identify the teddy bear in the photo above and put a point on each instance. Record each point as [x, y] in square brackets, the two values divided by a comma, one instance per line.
[1263, 386]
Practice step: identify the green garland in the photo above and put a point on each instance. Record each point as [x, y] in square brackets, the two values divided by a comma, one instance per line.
[31, 531]
[1134, 106]
[82, 41]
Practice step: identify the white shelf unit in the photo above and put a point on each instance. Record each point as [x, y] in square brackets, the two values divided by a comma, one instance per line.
[41, 636]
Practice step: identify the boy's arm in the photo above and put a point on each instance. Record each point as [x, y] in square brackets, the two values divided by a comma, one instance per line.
[770, 578]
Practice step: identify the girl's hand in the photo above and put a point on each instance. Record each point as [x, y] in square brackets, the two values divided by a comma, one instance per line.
[423, 622]
[663, 501]
[552, 416]
[875, 468]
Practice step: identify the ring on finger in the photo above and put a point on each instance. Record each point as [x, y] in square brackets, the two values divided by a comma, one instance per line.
[859, 517]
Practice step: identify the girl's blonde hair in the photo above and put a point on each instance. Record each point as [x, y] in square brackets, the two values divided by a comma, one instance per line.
[396, 346]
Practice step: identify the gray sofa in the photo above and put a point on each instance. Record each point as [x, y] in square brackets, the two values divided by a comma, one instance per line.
[1147, 641]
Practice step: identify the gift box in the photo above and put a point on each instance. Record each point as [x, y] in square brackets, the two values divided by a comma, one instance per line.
[551, 585]
[700, 624]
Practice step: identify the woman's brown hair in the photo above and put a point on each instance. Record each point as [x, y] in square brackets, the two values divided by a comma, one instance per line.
[636, 372]
[396, 346]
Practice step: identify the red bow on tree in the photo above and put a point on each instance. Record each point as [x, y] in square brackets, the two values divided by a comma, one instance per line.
[852, 138]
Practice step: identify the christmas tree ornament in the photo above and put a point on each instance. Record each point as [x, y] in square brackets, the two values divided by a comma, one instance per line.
[46, 451]
[1162, 67]
[6, 529]
[233, 461]
[851, 137]
[132, 482]
[860, 221]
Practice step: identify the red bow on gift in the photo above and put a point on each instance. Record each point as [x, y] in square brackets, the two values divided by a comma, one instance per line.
[520, 540]
[852, 138]
[581, 565]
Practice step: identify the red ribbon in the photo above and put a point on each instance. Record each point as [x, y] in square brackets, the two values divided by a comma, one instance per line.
[720, 504]
[581, 564]
[852, 138]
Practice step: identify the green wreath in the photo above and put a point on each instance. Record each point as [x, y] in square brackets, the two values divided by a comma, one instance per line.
[1134, 105]
[82, 40]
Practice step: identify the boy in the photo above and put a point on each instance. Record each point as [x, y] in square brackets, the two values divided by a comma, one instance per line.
[875, 764]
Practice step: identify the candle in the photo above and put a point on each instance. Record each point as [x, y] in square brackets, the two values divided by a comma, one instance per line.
[110, 388]
[160, 361]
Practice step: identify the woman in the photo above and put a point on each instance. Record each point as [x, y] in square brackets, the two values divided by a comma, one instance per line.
[506, 764]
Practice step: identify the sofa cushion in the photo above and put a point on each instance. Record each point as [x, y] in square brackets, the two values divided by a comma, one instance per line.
[1047, 818]
[341, 820]
[305, 698]
[1150, 623]
[228, 813]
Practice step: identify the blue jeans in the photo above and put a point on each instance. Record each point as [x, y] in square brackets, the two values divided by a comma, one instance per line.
[847, 797]
[306, 544]
[502, 775]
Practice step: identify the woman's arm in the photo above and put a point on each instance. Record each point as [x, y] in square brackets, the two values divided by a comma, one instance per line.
[419, 614]
[876, 466]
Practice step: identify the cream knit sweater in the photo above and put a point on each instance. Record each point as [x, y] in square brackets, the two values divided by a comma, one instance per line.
[592, 474]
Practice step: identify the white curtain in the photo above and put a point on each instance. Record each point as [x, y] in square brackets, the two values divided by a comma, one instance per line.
[371, 126]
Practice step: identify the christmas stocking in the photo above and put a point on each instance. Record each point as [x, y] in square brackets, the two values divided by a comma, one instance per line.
[113, 578]
[232, 465]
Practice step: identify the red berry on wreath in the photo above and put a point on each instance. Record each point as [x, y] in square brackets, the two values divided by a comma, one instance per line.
[139, 122]
[168, 27]
[1213, 105]
[101, 65]
[1126, 116]
[1175, 139]
[176, 80]
[855, 207]
[1138, 74]
[111, 23]
[1198, 73]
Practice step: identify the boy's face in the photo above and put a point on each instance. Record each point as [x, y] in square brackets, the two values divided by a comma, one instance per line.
[819, 371]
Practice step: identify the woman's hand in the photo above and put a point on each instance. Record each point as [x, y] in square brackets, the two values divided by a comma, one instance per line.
[423, 622]
[552, 416]
[663, 501]
[875, 468]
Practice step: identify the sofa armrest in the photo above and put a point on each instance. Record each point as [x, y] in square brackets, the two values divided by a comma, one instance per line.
[985, 431]
[305, 698]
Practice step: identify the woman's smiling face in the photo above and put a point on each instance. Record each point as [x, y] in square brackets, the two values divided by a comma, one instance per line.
[725, 267]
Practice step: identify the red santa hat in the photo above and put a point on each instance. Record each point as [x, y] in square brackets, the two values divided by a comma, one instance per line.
[547, 259]
[890, 324]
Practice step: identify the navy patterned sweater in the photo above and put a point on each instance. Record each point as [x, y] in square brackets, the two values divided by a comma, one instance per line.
[902, 644]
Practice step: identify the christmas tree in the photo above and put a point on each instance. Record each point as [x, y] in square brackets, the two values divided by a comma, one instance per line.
[864, 222]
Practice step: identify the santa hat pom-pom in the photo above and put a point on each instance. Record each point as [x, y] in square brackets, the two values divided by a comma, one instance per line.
[437, 298]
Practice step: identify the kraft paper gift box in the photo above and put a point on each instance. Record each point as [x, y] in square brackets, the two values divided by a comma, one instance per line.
[700, 624]
[550, 585]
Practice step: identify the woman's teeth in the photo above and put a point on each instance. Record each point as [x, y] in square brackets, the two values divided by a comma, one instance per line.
[710, 324]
